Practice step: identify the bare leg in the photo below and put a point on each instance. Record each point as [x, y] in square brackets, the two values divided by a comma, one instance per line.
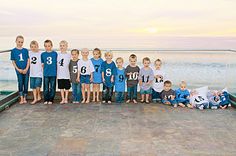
[83, 93]
[181, 105]
[66, 96]
[147, 98]
[35, 97]
[62, 96]
[94, 92]
[98, 91]
[88, 92]
[38, 94]
[142, 98]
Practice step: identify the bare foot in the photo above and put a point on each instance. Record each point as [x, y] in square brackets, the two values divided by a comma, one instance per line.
[189, 106]
[94, 100]
[66, 102]
[21, 102]
[128, 101]
[62, 102]
[83, 101]
[39, 99]
[33, 102]
[181, 105]
[87, 101]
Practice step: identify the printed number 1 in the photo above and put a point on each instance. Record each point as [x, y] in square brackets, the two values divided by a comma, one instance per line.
[21, 57]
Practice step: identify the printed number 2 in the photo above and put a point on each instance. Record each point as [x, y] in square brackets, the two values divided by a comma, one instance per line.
[49, 60]
[21, 57]
[33, 60]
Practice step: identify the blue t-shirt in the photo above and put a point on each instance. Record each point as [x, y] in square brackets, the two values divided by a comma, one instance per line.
[97, 74]
[120, 80]
[20, 56]
[109, 70]
[181, 94]
[49, 59]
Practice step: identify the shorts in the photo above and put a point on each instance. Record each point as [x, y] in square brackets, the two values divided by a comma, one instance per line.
[149, 91]
[85, 79]
[64, 84]
[35, 82]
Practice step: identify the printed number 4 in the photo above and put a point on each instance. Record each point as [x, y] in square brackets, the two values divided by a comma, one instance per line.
[61, 62]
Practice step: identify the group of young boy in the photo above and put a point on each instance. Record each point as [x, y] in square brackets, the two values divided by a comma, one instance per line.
[70, 71]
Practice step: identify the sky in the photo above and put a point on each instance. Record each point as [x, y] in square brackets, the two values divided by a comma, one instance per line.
[121, 23]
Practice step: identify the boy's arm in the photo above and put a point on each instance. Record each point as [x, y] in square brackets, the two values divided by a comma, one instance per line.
[91, 77]
[103, 79]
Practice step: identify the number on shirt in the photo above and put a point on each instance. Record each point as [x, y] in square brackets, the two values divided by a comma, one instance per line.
[96, 68]
[61, 62]
[49, 60]
[159, 79]
[75, 69]
[121, 78]
[21, 57]
[83, 69]
[33, 60]
[133, 76]
[108, 72]
[143, 79]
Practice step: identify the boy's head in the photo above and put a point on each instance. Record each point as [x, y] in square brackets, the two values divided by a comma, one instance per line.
[132, 59]
[75, 54]
[167, 85]
[34, 46]
[158, 64]
[48, 45]
[63, 46]
[19, 41]
[183, 85]
[119, 62]
[85, 52]
[97, 53]
[146, 61]
[108, 55]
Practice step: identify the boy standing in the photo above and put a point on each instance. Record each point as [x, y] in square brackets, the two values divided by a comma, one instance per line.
[146, 77]
[49, 63]
[120, 80]
[36, 71]
[131, 73]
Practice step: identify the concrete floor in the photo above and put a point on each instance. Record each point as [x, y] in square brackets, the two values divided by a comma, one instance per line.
[106, 130]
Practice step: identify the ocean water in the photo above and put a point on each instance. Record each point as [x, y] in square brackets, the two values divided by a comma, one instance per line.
[216, 69]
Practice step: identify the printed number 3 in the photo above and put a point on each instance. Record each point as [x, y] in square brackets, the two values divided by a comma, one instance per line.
[49, 60]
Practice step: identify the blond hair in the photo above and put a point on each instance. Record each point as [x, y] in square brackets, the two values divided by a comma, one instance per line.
[19, 36]
[108, 53]
[120, 58]
[183, 83]
[64, 42]
[34, 43]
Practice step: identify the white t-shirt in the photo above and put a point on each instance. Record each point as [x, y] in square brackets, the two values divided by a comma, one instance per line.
[158, 83]
[85, 67]
[36, 69]
[63, 61]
